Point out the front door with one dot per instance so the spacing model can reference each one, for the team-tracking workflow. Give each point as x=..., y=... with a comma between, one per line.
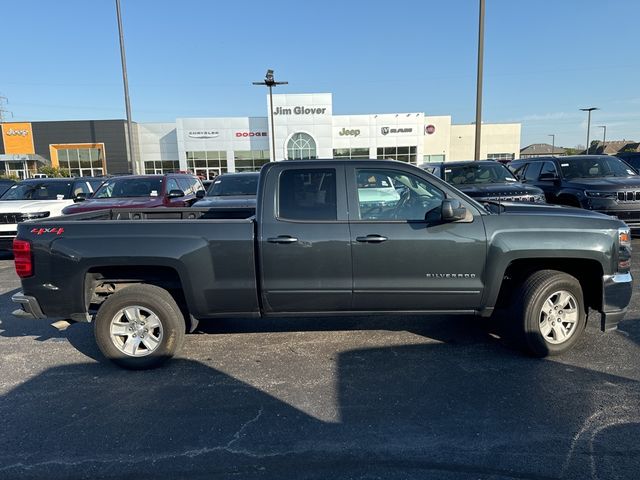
x=402, y=262
x=304, y=243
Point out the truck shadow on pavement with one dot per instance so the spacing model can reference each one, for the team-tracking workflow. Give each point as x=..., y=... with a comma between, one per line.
x=410, y=411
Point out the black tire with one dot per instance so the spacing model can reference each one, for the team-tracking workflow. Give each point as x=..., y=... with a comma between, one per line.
x=167, y=338
x=527, y=309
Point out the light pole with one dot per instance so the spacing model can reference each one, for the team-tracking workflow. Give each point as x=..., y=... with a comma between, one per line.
x=270, y=82
x=127, y=103
x=604, y=136
x=589, y=110
x=479, y=80
x=553, y=143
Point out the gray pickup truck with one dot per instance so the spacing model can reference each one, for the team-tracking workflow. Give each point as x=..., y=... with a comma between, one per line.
x=328, y=237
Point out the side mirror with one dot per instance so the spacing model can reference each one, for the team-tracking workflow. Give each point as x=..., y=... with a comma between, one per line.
x=200, y=194
x=80, y=197
x=175, y=193
x=548, y=177
x=452, y=210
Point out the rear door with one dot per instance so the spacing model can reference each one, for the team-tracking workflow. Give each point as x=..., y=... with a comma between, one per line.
x=402, y=262
x=305, y=250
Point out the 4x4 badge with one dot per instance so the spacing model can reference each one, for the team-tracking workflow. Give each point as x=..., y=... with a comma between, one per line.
x=40, y=231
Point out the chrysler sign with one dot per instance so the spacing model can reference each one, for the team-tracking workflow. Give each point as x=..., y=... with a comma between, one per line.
x=203, y=133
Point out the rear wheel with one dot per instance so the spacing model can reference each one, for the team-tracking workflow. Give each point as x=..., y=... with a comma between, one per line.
x=139, y=327
x=550, y=306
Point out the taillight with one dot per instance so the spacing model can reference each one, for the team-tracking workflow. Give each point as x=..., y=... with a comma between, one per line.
x=23, y=258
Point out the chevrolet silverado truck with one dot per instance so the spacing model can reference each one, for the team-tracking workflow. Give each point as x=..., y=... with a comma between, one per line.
x=320, y=244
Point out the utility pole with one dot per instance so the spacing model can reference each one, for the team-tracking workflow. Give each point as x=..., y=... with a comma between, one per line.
x=589, y=110
x=125, y=81
x=479, y=81
x=270, y=82
x=4, y=101
x=604, y=137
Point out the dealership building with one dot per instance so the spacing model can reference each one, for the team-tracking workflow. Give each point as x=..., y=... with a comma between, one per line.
x=304, y=126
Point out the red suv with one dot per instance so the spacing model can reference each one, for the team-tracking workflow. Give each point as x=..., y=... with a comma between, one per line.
x=142, y=191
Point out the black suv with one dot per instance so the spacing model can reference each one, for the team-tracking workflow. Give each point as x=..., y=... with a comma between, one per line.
x=485, y=180
x=595, y=182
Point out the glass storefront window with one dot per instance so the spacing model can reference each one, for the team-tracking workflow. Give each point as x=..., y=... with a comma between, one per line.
x=207, y=164
x=403, y=154
x=351, y=153
x=301, y=146
x=81, y=162
x=158, y=167
x=250, y=160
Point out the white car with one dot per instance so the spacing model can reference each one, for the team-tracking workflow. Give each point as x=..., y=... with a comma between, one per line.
x=39, y=198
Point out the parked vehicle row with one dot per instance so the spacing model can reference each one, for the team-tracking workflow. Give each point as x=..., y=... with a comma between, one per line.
x=601, y=183
x=39, y=198
x=329, y=237
x=486, y=181
x=51, y=197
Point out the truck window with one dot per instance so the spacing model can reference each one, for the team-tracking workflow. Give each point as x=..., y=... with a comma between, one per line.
x=549, y=167
x=395, y=195
x=308, y=194
x=533, y=171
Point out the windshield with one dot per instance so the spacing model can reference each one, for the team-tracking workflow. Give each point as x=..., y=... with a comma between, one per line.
x=130, y=187
x=228, y=185
x=477, y=173
x=597, y=167
x=38, y=191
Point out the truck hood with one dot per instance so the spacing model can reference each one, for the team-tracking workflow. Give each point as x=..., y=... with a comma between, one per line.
x=53, y=206
x=107, y=203
x=604, y=184
x=517, y=208
x=507, y=189
x=231, y=201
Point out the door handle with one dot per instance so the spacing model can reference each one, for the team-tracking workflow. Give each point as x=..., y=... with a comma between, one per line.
x=371, y=239
x=282, y=239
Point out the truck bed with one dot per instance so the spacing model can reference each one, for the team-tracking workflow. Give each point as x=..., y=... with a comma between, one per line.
x=210, y=251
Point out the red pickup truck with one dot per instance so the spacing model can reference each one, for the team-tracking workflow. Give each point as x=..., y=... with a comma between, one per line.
x=142, y=191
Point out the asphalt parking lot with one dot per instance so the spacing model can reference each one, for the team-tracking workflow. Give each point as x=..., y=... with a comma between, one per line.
x=395, y=397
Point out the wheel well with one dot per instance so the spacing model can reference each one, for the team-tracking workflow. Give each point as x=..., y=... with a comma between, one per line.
x=588, y=272
x=100, y=282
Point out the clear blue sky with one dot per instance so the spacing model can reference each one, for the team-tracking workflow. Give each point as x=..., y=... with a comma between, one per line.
x=543, y=59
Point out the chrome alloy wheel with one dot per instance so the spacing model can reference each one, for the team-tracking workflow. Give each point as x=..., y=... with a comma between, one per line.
x=559, y=317
x=136, y=331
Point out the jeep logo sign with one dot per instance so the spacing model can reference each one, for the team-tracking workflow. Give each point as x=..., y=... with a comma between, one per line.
x=349, y=133
x=13, y=132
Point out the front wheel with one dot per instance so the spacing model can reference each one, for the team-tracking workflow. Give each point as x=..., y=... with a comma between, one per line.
x=552, y=314
x=139, y=327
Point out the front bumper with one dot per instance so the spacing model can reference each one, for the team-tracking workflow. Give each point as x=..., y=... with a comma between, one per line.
x=616, y=295
x=30, y=306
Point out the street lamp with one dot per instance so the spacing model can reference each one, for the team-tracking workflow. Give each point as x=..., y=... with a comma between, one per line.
x=479, y=80
x=553, y=143
x=270, y=82
x=589, y=110
x=125, y=81
x=604, y=136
